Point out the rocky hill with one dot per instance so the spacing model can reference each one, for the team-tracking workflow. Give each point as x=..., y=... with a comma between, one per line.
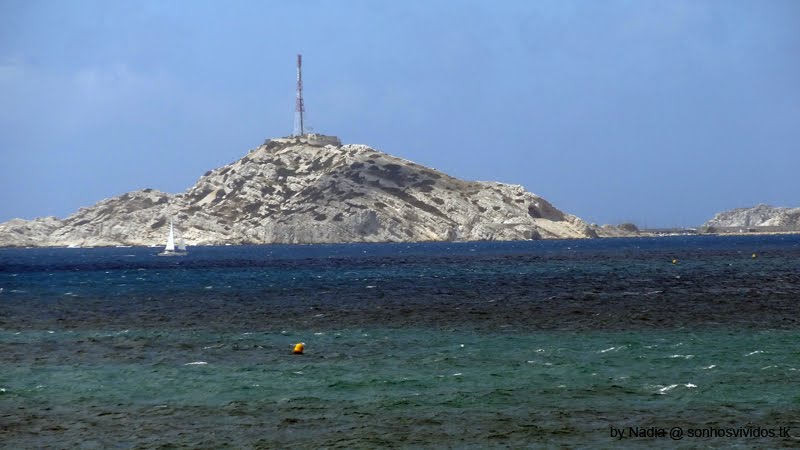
x=757, y=216
x=305, y=190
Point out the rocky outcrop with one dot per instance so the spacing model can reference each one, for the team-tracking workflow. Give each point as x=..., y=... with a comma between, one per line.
x=621, y=230
x=310, y=191
x=757, y=216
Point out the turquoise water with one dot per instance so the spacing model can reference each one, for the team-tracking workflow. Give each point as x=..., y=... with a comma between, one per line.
x=489, y=345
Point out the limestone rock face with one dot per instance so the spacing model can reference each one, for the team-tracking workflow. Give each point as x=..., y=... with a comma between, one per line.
x=757, y=216
x=299, y=191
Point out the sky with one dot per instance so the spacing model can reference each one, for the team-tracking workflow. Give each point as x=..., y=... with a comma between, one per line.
x=656, y=112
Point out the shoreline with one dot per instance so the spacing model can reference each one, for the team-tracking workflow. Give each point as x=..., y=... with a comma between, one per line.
x=642, y=234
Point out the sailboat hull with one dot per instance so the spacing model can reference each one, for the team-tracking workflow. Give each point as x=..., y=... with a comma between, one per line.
x=172, y=253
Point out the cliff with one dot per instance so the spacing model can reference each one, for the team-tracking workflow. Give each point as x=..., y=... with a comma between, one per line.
x=757, y=216
x=310, y=191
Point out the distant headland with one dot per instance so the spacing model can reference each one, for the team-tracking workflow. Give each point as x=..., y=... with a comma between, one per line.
x=756, y=219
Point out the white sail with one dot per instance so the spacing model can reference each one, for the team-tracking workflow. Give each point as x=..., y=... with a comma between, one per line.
x=181, y=244
x=170, y=250
x=170, y=240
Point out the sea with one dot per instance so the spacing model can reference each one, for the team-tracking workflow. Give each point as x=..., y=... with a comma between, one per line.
x=684, y=341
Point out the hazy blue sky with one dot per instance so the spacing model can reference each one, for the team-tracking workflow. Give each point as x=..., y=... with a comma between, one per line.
x=656, y=112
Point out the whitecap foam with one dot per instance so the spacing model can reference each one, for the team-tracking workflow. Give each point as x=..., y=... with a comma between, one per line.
x=682, y=356
x=196, y=363
x=754, y=352
x=663, y=390
x=710, y=367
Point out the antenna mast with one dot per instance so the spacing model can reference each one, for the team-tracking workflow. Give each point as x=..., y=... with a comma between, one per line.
x=299, y=107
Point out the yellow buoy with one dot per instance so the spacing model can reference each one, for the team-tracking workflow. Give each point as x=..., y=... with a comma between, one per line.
x=298, y=348
x=674, y=261
x=755, y=256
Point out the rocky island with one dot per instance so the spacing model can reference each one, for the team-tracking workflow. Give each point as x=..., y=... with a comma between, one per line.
x=760, y=218
x=311, y=189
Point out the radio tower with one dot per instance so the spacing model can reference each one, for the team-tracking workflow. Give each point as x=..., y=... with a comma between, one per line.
x=299, y=108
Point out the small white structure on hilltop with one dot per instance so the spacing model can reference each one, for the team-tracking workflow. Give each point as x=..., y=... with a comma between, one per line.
x=313, y=139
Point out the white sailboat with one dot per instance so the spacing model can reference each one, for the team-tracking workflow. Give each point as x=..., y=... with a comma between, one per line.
x=170, y=249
